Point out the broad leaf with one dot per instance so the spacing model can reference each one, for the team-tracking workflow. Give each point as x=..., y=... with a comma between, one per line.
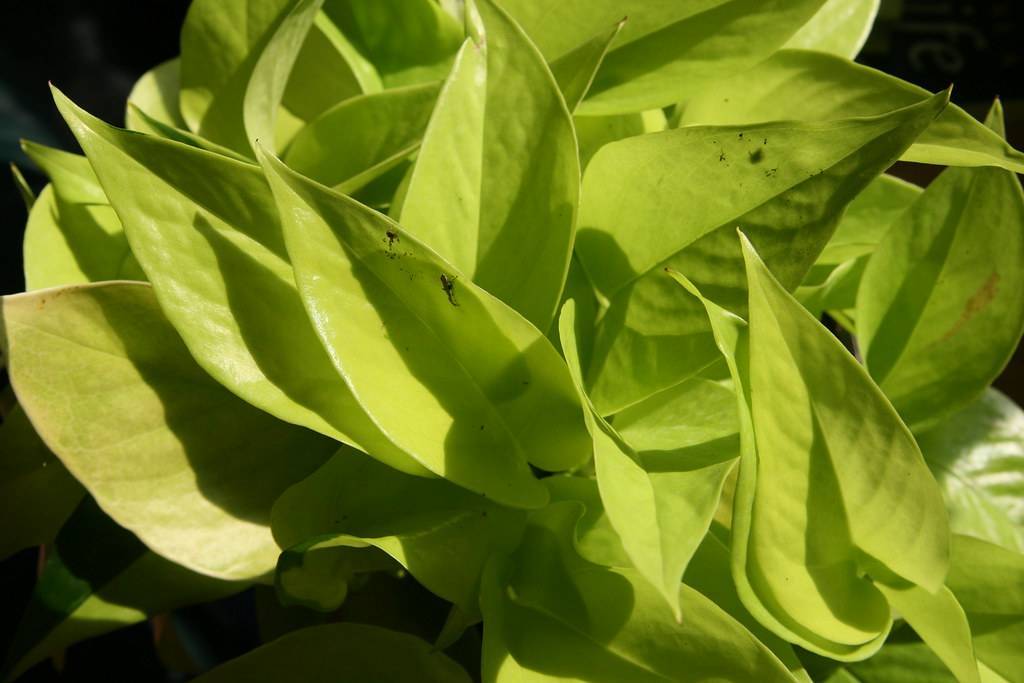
x=73, y=235
x=832, y=492
x=812, y=86
x=940, y=621
x=36, y=491
x=662, y=507
x=977, y=455
x=552, y=616
x=674, y=199
x=341, y=653
x=667, y=49
x=989, y=583
x=575, y=70
x=441, y=534
x=941, y=306
x=221, y=41
x=156, y=94
x=166, y=451
x=206, y=231
x=840, y=27
x=99, y=578
x=358, y=140
x=496, y=183
x=266, y=88
x=594, y=132
x=407, y=41
x=452, y=375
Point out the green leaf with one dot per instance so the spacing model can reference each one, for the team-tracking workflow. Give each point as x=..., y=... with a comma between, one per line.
x=692, y=422
x=666, y=50
x=441, y=534
x=977, y=456
x=36, y=492
x=73, y=235
x=942, y=625
x=941, y=306
x=189, y=212
x=552, y=616
x=594, y=132
x=408, y=41
x=452, y=375
x=316, y=574
x=341, y=653
x=812, y=86
x=266, y=88
x=675, y=199
x=496, y=184
x=832, y=492
x=359, y=139
x=220, y=44
x=96, y=579
x=167, y=452
x=989, y=583
x=660, y=507
x=27, y=195
x=156, y=94
x=575, y=70
x=327, y=71
x=833, y=281
x=868, y=218
x=840, y=27
x=144, y=123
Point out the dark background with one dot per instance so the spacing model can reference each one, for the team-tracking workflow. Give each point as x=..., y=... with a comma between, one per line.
x=96, y=50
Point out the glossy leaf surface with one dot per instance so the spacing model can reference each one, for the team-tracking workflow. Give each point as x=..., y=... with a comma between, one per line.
x=473, y=391
x=646, y=205
x=832, y=486
x=166, y=451
x=496, y=184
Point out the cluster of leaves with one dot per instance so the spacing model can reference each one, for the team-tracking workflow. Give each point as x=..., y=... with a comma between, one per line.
x=525, y=300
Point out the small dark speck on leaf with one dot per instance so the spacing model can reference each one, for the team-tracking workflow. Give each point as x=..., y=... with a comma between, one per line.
x=765, y=141
x=392, y=238
x=757, y=156
x=721, y=157
x=741, y=136
x=771, y=172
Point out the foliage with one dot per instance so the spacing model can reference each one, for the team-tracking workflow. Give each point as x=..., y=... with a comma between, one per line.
x=525, y=301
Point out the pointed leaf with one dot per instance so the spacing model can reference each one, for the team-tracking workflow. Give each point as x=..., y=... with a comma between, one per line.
x=220, y=44
x=941, y=306
x=675, y=199
x=667, y=49
x=341, y=653
x=989, y=583
x=552, y=616
x=496, y=182
x=167, y=452
x=190, y=212
x=661, y=514
x=811, y=86
x=472, y=390
x=408, y=41
x=73, y=235
x=575, y=70
x=27, y=195
x=832, y=485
